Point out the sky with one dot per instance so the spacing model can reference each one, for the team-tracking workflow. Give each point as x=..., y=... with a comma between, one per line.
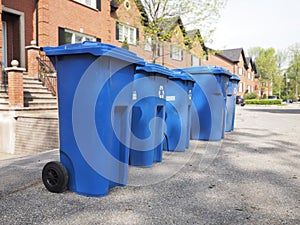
x=258, y=23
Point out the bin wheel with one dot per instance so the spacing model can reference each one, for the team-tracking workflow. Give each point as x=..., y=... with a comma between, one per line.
x=55, y=177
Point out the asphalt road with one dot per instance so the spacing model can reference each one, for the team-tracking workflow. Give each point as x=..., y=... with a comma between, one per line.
x=251, y=177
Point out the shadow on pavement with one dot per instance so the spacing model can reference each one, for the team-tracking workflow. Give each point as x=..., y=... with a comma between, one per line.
x=281, y=111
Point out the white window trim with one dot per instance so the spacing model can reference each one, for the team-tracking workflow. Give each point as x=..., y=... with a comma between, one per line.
x=176, y=53
x=92, y=4
x=84, y=37
x=148, y=44
x=124, y=32
x=195, y=59
x=240, y=70
x=249, y=75
x=240, y=89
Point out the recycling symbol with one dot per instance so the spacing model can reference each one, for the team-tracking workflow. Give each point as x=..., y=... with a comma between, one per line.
x=161, y=92
x=190, y=94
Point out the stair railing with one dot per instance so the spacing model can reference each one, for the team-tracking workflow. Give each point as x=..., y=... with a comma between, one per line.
x=47, y=74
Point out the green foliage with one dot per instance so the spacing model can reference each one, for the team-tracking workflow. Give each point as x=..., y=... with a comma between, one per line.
x=251, y=96
x=125, y=44
x=263, y=102
x=158, y=18
x=293, y=71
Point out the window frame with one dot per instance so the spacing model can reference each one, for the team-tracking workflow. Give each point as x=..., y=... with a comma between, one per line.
x=121, y=30
x=240, y=87
x=176, y=53
x=74, y=35
x=192, y=60
x=240, y=70
x=95, y=4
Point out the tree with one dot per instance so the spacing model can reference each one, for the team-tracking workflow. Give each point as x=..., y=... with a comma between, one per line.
x=265, y=61
x=280, y=80
x=293, y=71
x=158, y=15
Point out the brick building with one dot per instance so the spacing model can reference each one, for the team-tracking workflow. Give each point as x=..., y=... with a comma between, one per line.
x=237, y=63
x=58, y=22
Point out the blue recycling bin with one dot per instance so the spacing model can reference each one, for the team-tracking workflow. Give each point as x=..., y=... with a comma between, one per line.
x=209, y=98
x=94, y=91
x=178, y=111
x=148, y=114
x=231, y=102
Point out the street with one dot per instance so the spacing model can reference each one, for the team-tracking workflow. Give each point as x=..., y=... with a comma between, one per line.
x=252, y=176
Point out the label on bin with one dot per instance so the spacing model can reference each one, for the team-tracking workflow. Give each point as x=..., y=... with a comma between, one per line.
x=134, y=95
x=190, y=94
x=170, y=98
x=161, y=92
x=235, y=90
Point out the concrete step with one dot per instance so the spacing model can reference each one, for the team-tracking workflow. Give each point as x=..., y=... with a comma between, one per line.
x=3, y=94
x=38, y=103
x=36, y=86
x=38, y=94
x=36, y=89
x=34, y=82
x=4, y=100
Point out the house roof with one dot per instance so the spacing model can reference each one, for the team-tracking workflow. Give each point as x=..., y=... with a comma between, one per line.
x=192, y=34
x=233, y=55
x=252, y=63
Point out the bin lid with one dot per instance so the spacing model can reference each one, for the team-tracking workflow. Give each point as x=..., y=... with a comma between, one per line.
x=235, y=77
x=94, y=48
x=181, y=75
x=155, y=68
x=198, y=70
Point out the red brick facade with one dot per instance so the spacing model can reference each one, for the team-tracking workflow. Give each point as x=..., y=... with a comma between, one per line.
x=46, y=21
x=15, y=85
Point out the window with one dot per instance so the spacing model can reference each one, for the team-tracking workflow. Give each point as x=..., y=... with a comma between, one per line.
x=240, y=71
x=96, y=4
x=70, y=37
x=148, y=44
x=240, y=87
x=124, y=31
x=249, y=75
x=176, y=53
x=195, y=60
x=249, y=88
x=159, y=49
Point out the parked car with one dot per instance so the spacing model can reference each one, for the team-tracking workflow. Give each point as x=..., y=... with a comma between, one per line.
x=272, y=97
x=240, y=100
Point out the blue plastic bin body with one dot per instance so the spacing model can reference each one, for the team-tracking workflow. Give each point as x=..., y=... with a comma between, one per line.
x=148, y=114
x=178, y=111
x=231, y=102
x=209, y=98
x=93, y=144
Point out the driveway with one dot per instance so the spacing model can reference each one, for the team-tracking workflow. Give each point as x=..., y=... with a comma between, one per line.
x=251, y=177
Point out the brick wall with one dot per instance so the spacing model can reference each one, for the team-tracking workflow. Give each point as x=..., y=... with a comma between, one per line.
x=73, y=16
x=15, y=88
x=36, y=133
x=216, y=60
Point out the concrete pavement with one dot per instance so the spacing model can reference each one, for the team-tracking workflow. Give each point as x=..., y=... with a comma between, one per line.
x=251, y=177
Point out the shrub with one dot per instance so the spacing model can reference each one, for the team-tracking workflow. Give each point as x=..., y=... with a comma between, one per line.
x=251, y=96
x=263, y=102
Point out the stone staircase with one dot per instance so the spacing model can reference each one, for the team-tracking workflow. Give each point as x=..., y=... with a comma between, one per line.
x=3, y=97
x=36, y=96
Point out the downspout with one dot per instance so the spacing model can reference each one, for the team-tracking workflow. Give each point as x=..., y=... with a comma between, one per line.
x=37, y=22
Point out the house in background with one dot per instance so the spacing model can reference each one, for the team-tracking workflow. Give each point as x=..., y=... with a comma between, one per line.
x=237, y=63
